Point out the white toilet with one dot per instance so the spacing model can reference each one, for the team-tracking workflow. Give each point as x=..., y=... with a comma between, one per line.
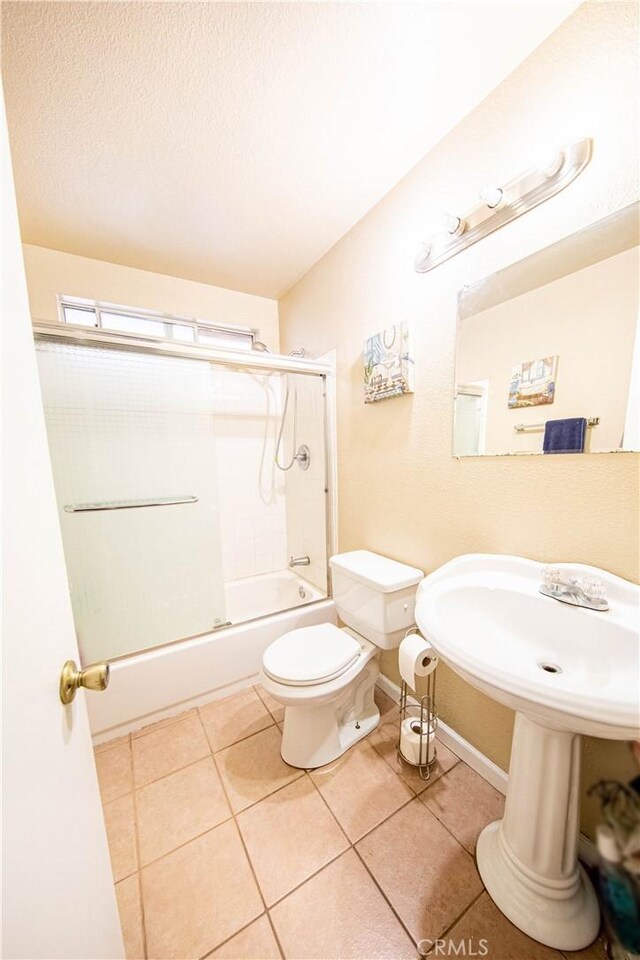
x=325, y=675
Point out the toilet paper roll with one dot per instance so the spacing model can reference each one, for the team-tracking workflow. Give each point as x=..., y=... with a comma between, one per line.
x=410, y=741
x=417, y=658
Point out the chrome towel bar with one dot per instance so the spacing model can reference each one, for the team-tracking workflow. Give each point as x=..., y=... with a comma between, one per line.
x=126, y=504
x=520, y=427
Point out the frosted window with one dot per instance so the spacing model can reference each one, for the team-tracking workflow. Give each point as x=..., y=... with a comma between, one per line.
x=83, y=318
x=183, y=332
x=89, y=313
x=116, y=321
x=227, y=340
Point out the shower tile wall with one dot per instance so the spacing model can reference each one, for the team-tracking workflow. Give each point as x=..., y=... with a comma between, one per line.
x=305, y=490
x=251, y=491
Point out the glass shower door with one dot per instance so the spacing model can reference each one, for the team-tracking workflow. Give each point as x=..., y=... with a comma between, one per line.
x=127, y=429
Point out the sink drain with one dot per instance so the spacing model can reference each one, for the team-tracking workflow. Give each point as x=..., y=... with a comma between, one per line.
x=550, y=667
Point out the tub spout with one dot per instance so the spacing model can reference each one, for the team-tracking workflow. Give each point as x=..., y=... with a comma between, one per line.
x=299, y=562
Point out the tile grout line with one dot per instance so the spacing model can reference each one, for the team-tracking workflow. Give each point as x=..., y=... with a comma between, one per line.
x=246, y=926
x=275, y=934
x=443, y=824
x=231, y=818
x=419, y=796
x=141, y=732
x=324, y=800
x=246, y=852
x=385, y=898
x=240, y=739
x=315, y=873
x=233, y=815
x=236, y=813
x=150, y=783
x=192, y=762
x=352, y=846
x=311, y=876
x=257, y=690
x=371, y=829
x=458, y=918
x=138, y=857
x=244, y=847
x=198, y=836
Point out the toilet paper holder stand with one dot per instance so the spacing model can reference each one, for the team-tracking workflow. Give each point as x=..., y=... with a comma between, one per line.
x=423, y=711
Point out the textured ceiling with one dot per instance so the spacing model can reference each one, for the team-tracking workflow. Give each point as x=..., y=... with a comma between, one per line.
x=234, y=143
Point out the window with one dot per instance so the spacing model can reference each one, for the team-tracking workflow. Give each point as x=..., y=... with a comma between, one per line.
x=146, y=323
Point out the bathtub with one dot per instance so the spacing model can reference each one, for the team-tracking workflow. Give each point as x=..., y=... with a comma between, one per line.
x=268, y=593
x=159, y=683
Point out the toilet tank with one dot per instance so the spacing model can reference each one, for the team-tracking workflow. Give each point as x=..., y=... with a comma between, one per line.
x=374, y=595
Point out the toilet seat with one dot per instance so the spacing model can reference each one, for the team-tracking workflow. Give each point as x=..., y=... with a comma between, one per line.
x=310, y=655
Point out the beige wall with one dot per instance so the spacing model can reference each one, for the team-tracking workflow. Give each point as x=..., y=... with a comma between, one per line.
x=50, y=272
x=400, y=491
x=568, y=319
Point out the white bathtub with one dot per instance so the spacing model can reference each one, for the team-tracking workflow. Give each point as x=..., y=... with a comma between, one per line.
x=268, y=593
x=165, y=681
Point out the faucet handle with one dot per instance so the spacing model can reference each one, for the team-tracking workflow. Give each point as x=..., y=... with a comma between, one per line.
x=592, y=588
x=551, y=576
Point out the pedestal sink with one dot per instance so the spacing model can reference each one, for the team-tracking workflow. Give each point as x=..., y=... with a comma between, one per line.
x=566, y=671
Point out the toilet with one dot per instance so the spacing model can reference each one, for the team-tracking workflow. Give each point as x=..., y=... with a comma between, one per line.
x=325, y=675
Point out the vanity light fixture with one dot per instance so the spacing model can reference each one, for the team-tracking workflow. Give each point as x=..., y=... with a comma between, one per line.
x=551, y=164
x=452, y=225
x=492, y=196
x=501, y=204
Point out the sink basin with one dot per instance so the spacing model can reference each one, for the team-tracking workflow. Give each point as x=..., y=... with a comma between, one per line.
x=566, y=671
x=575, y=668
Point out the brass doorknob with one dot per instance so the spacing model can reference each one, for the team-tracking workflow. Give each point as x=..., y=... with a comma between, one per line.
x=93, y=677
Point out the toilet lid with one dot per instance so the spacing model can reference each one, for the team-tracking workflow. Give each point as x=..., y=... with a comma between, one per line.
x=310, y=655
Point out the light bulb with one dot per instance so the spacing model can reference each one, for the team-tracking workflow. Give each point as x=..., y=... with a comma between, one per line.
x=550, y=164
x=492, y=196
x=422, y=258
x=453, y=225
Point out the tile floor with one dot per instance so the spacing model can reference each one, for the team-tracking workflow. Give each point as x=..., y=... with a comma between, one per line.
x=219, y=849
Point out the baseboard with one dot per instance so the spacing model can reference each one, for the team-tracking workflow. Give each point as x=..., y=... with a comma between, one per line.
x=479, y=762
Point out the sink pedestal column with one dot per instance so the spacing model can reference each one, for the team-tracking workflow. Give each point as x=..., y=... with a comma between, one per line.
x=528, y=860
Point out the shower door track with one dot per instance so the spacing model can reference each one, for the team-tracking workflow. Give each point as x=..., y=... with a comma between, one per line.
x=246, y=359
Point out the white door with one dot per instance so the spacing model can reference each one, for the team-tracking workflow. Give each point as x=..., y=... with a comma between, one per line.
x=58, y=899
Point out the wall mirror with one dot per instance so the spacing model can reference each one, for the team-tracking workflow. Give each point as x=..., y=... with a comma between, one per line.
x=554, y=337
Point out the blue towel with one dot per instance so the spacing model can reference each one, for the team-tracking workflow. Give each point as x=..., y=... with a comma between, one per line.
x=565, y=436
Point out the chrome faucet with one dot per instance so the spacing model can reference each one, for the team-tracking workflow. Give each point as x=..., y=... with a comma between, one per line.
x=299, y=562
x=587, y=592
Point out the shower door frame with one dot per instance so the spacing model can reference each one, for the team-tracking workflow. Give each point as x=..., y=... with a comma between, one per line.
x=240, y=360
